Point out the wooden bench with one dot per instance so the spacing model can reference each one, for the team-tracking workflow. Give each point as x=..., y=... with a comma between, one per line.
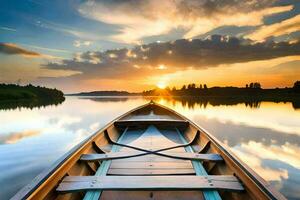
x=181, y=124
x=211, y=182
x=121, y=155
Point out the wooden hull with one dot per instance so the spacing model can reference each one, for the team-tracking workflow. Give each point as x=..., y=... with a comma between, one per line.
x=151, y=152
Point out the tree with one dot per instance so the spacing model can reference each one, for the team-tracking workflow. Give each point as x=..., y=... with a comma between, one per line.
x=191, y=86
x=183, y=87
x=251, y=85
x=247, y=86
x=200, y=86
x=296, y=87
x=257, y=85
x=205, y=87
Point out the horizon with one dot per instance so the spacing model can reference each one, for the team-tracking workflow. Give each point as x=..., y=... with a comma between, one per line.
x=180, y=87
x=89, y=45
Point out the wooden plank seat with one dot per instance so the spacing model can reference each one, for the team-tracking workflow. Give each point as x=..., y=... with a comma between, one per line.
x=157, y=122
x=182, y=156
x=150, y=172
x=210, y=182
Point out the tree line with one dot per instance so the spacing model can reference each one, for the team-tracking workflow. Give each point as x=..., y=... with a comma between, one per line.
x=251, y=89
x=13, y=92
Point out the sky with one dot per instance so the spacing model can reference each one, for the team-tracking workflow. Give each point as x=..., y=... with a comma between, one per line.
x=136, y=45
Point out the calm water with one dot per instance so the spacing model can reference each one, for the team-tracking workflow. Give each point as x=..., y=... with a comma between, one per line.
x=266, y=136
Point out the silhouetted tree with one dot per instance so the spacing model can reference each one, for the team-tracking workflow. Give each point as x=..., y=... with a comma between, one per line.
x=200, y=86
x=296, y=86
x=205, y=86
x=247, y=86
x=191, y=86
x=251, y=85
x=183, y=87
x=257, y=85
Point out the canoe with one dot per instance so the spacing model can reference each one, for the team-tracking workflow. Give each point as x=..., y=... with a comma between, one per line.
x=150, y=152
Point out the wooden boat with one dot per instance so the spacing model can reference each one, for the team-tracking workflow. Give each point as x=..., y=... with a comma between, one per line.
x=151, y=152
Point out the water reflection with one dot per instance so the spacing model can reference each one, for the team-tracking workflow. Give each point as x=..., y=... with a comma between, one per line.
x=12, y=138
x=108, y=99
x=192, y=102
x=42, y=103
x=265, y=135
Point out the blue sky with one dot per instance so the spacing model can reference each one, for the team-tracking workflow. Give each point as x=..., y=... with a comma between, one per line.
x=82, y=40
x=45, y=24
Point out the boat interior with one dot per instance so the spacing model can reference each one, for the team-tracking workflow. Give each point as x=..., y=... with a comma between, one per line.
x=149, y=153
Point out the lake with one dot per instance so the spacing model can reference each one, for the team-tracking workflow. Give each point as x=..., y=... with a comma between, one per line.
x=265, y=135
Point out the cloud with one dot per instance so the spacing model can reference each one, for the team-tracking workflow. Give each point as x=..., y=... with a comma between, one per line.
x=7, y=29
x=278, y=29
x=78, y=43
x=286, y=153
x=13, y=49
x=85, y=35
x=46, y=49
x=140, y=19
x=169, y=57
x=13, y=138
x=256, y=163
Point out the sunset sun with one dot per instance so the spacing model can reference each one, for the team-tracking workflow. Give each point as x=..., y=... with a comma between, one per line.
x=161, y=85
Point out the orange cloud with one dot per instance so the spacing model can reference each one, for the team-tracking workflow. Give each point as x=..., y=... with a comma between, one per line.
x=274, y=30
x=13, y=49
x=252, y=18
x=155, y=17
